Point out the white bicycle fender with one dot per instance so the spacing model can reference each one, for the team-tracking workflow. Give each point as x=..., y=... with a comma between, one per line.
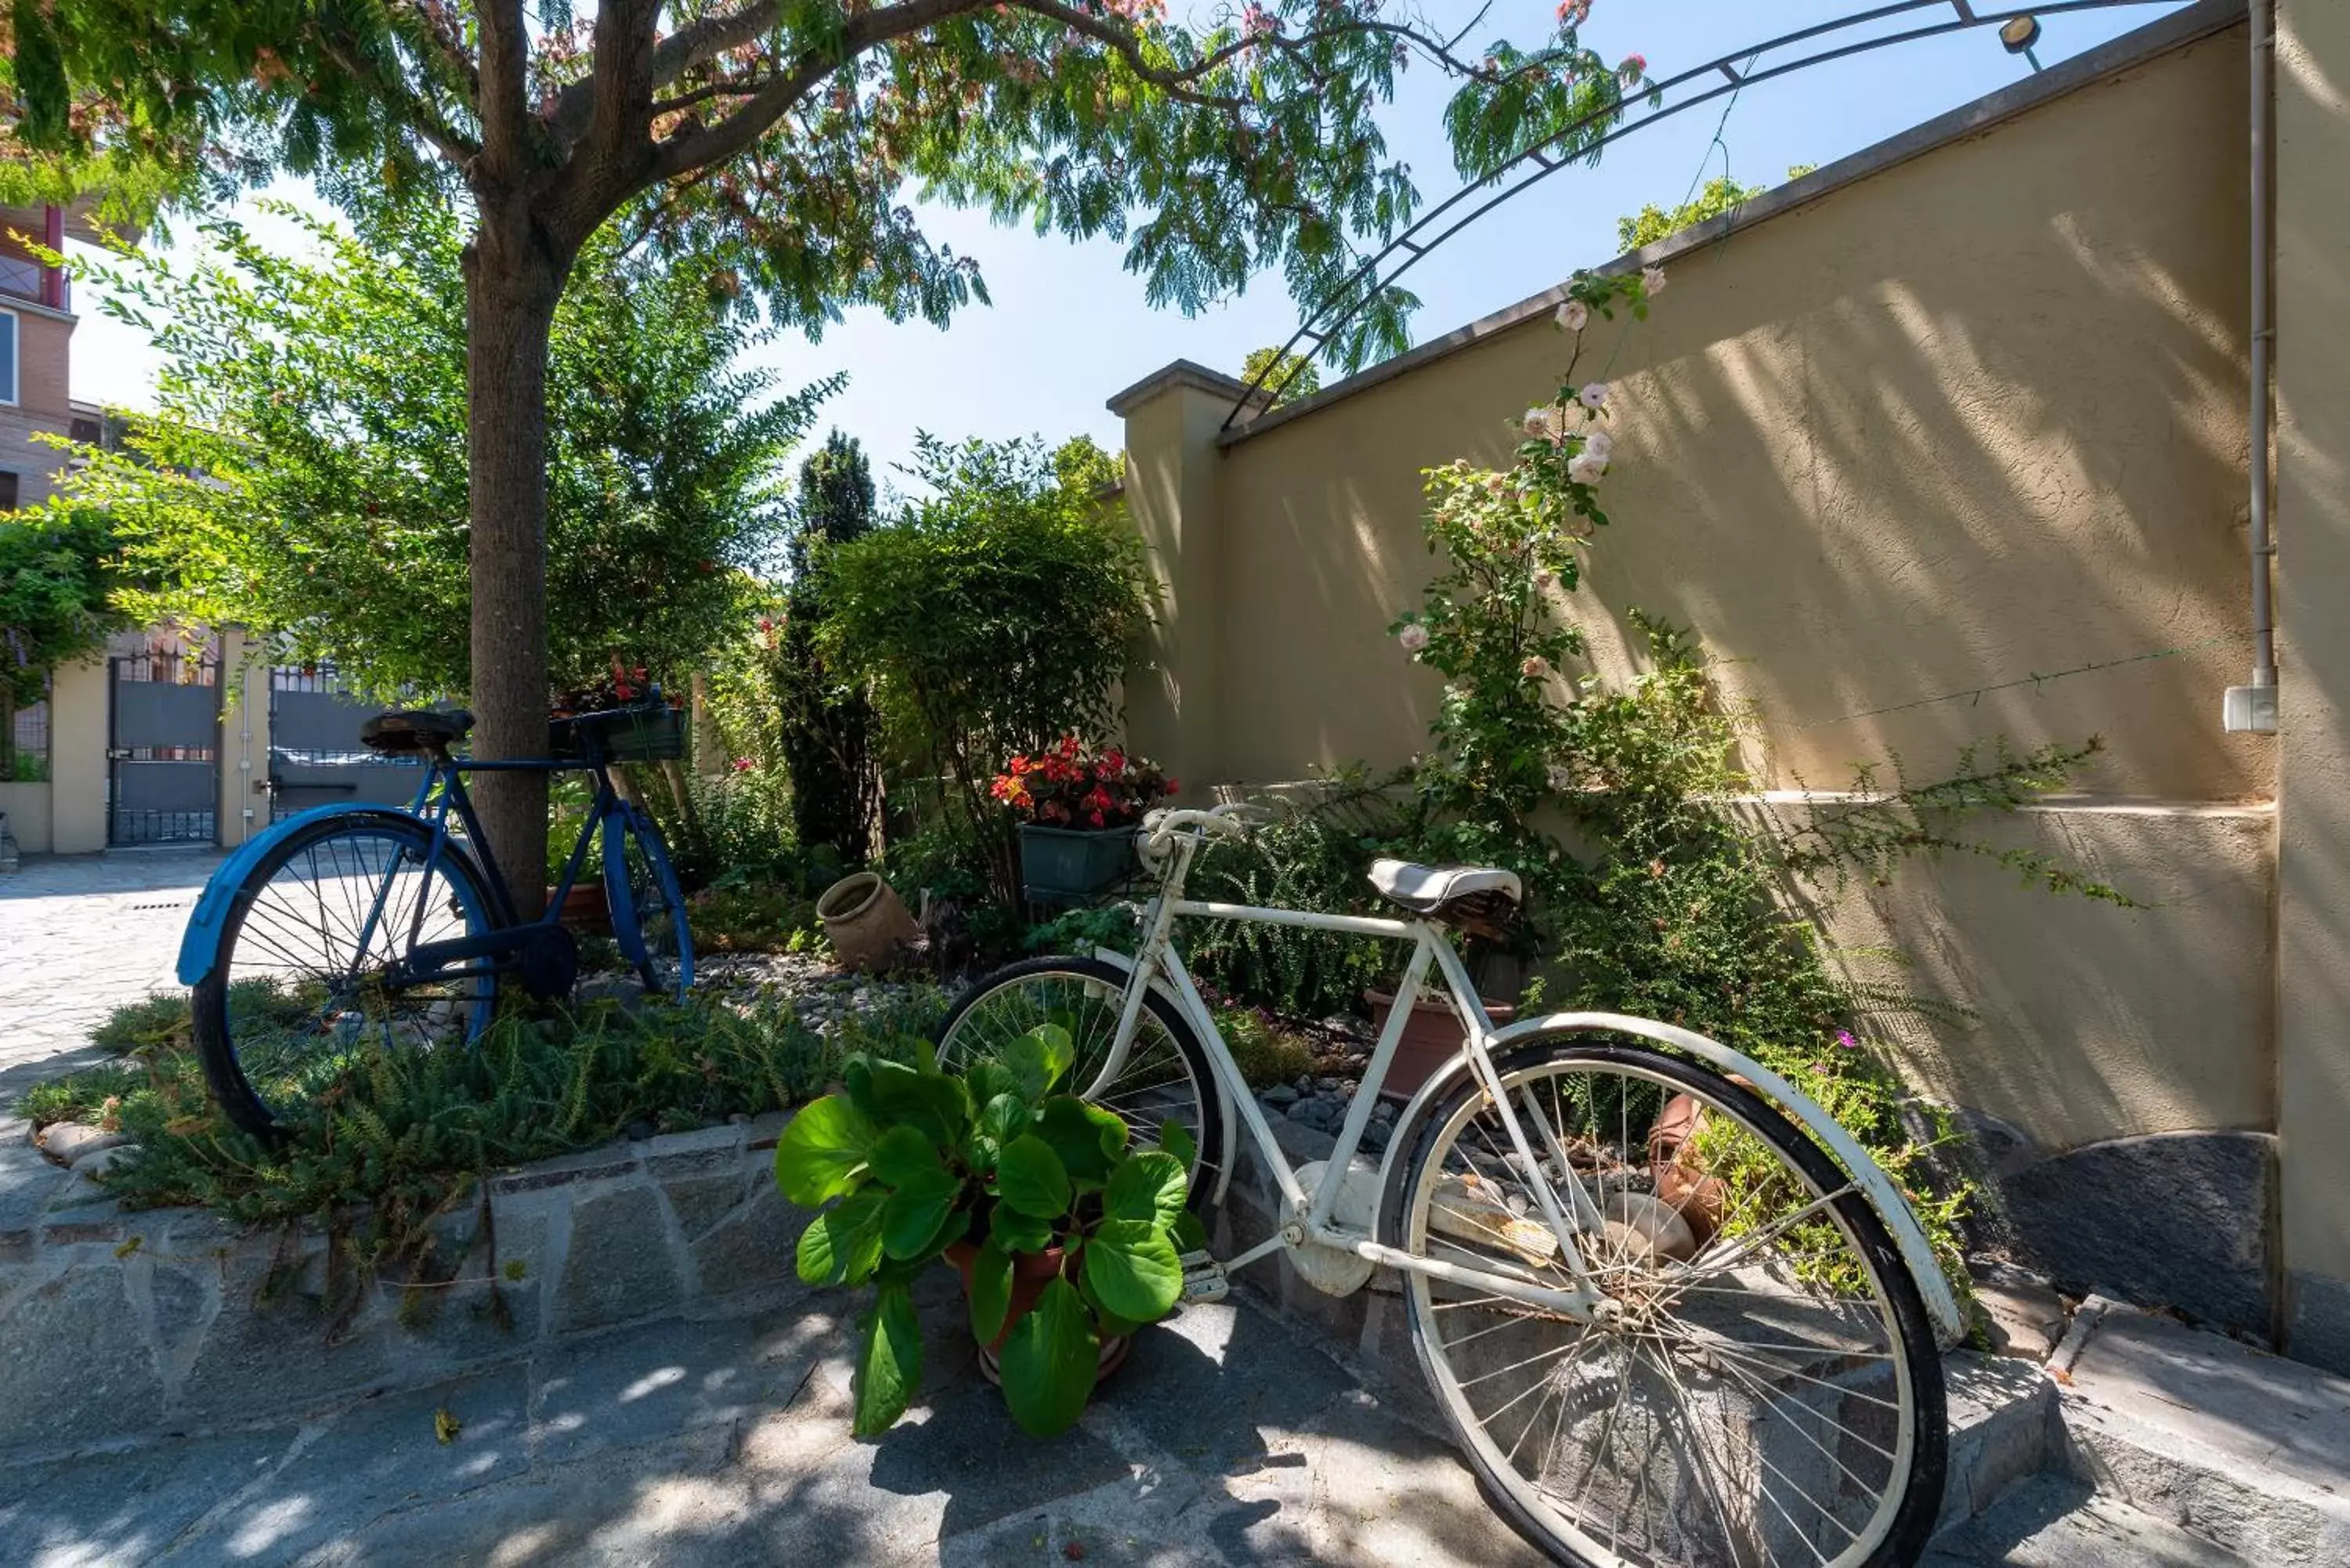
x=1225, y=1154
x=1941, y=1306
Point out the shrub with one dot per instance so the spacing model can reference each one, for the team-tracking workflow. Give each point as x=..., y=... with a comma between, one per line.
x=825, y=727
x=992, y=618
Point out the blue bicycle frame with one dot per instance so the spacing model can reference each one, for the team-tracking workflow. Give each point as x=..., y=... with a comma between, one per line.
x=439, y=795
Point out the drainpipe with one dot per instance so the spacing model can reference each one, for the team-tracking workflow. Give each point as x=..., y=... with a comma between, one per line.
x=2254, y=707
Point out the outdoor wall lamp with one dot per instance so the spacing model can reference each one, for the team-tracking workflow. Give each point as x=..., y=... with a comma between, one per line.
x=2019, y=34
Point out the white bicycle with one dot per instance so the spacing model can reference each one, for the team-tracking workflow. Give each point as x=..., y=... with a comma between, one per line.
x=1674, y=1313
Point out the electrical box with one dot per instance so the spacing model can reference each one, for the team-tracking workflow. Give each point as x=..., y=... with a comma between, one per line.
x=2251, y=709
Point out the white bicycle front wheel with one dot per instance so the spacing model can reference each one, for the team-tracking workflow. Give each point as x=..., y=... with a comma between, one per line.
x=1165, y=1076
x=1762, y=1388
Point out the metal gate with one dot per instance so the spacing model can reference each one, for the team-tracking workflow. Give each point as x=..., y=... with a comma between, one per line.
x=315, y=754
x=163, y=715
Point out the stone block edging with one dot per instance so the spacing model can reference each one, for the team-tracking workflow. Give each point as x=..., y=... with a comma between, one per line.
x=123, y=1324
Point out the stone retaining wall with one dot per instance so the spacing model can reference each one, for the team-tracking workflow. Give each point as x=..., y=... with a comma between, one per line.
x=120, y=1324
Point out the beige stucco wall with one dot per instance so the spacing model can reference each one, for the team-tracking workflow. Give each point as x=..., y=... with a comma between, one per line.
x=27, y=807
x=78, y=717
x=2312, y=520
x=1976, y=416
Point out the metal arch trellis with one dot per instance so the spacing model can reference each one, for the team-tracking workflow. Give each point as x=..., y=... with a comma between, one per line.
x=1538, y=163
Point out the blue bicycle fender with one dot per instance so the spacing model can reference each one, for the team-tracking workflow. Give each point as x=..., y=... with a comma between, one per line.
x=200, y=944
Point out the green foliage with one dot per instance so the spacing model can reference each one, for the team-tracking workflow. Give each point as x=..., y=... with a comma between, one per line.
x=1212, y=149
x=1310, y=854
x=1721, y=194
x=406, y=1138
x=825, y=726
x=1263, y=1053
x=992, y=618
x=1116, y=927
x=59, y=569
x=904, y=1162
x=1289, y=376
x=305, y=474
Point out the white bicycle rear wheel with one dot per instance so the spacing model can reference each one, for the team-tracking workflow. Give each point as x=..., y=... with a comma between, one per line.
x=1764, y=1390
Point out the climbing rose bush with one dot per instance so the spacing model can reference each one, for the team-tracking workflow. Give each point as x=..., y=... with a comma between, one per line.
x=1490, y=624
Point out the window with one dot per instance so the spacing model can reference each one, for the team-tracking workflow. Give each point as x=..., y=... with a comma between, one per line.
x=9, y=502
x=7, y=357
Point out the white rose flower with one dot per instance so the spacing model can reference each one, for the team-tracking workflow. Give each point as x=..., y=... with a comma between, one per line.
x=1574, y=315
x=1599, y=444
x=1587, y=468
x=1595, y=395
x=1652, y=280
x=1413, y=637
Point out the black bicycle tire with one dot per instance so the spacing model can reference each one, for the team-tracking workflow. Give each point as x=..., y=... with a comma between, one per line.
x=1921, y=1501
x=208, y=999
x=1208, y=1175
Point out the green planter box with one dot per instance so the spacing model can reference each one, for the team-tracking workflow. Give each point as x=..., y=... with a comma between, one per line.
x=1063, y=863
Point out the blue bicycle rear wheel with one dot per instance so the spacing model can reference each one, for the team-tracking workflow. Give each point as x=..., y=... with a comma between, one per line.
x=305, y=989
x=647, y=904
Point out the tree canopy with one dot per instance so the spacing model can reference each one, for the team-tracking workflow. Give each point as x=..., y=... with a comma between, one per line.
x=1721, y=194
x=305, y=474
x=779, y=138
x=58, y=577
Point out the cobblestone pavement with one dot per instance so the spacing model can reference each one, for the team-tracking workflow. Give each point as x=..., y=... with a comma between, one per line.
x=1227, y=1439
x=80, y=935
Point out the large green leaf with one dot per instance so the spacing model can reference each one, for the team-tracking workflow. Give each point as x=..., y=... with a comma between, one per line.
x=1004, y=1117
x=1133, y=1270
x=1151, y=1187
x=1038, y=1058
x=1176, y=1139
x=1189, y=1233
x=1050, y=1358
x=1018, y=1233
x=1029, y=1177
x=823, y=1153
x=844, y=1240
x=889, y=1360
x=913, y=1216
x=991, y=1293
x=1085, y=1137
x=902, y=1154
x=939, y=1108
x=987, y=1079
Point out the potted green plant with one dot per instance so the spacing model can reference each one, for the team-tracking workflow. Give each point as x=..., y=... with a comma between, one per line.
x=1078, y=808
x=1068, y=1238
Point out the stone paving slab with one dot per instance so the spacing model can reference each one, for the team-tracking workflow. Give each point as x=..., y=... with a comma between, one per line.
x=84, y=934
x=1229, y=1438
x=2057, y=1522
x=2241, y=1448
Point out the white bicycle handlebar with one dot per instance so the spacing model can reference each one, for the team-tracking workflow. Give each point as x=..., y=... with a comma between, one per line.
x=1160, y=827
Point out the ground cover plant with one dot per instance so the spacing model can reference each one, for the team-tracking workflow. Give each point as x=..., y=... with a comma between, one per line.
x=406, y=1138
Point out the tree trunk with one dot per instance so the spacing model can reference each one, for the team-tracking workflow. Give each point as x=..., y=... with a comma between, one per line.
x=512, y=278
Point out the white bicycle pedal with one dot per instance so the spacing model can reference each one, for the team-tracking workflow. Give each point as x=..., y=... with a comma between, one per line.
x=1203, y=1278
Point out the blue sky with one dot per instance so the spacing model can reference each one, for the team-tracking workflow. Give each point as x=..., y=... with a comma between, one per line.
x=1069, y=326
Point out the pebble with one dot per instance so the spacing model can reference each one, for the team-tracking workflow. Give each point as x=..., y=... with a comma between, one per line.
x=1281, y=1095
x=1376, y=1134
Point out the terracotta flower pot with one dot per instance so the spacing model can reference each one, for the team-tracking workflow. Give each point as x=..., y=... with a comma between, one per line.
x=1681, y=1178
x=866, y=922
x=1031, y=1273
x=1431, y=1037
x=584, y=910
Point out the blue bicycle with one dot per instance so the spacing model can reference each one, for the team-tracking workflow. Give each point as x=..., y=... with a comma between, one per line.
x=355, y=928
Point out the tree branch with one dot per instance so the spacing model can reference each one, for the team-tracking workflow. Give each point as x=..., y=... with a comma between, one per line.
x=673, y=56
x=412, y=106
x=505, y=88
x=691, y=150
